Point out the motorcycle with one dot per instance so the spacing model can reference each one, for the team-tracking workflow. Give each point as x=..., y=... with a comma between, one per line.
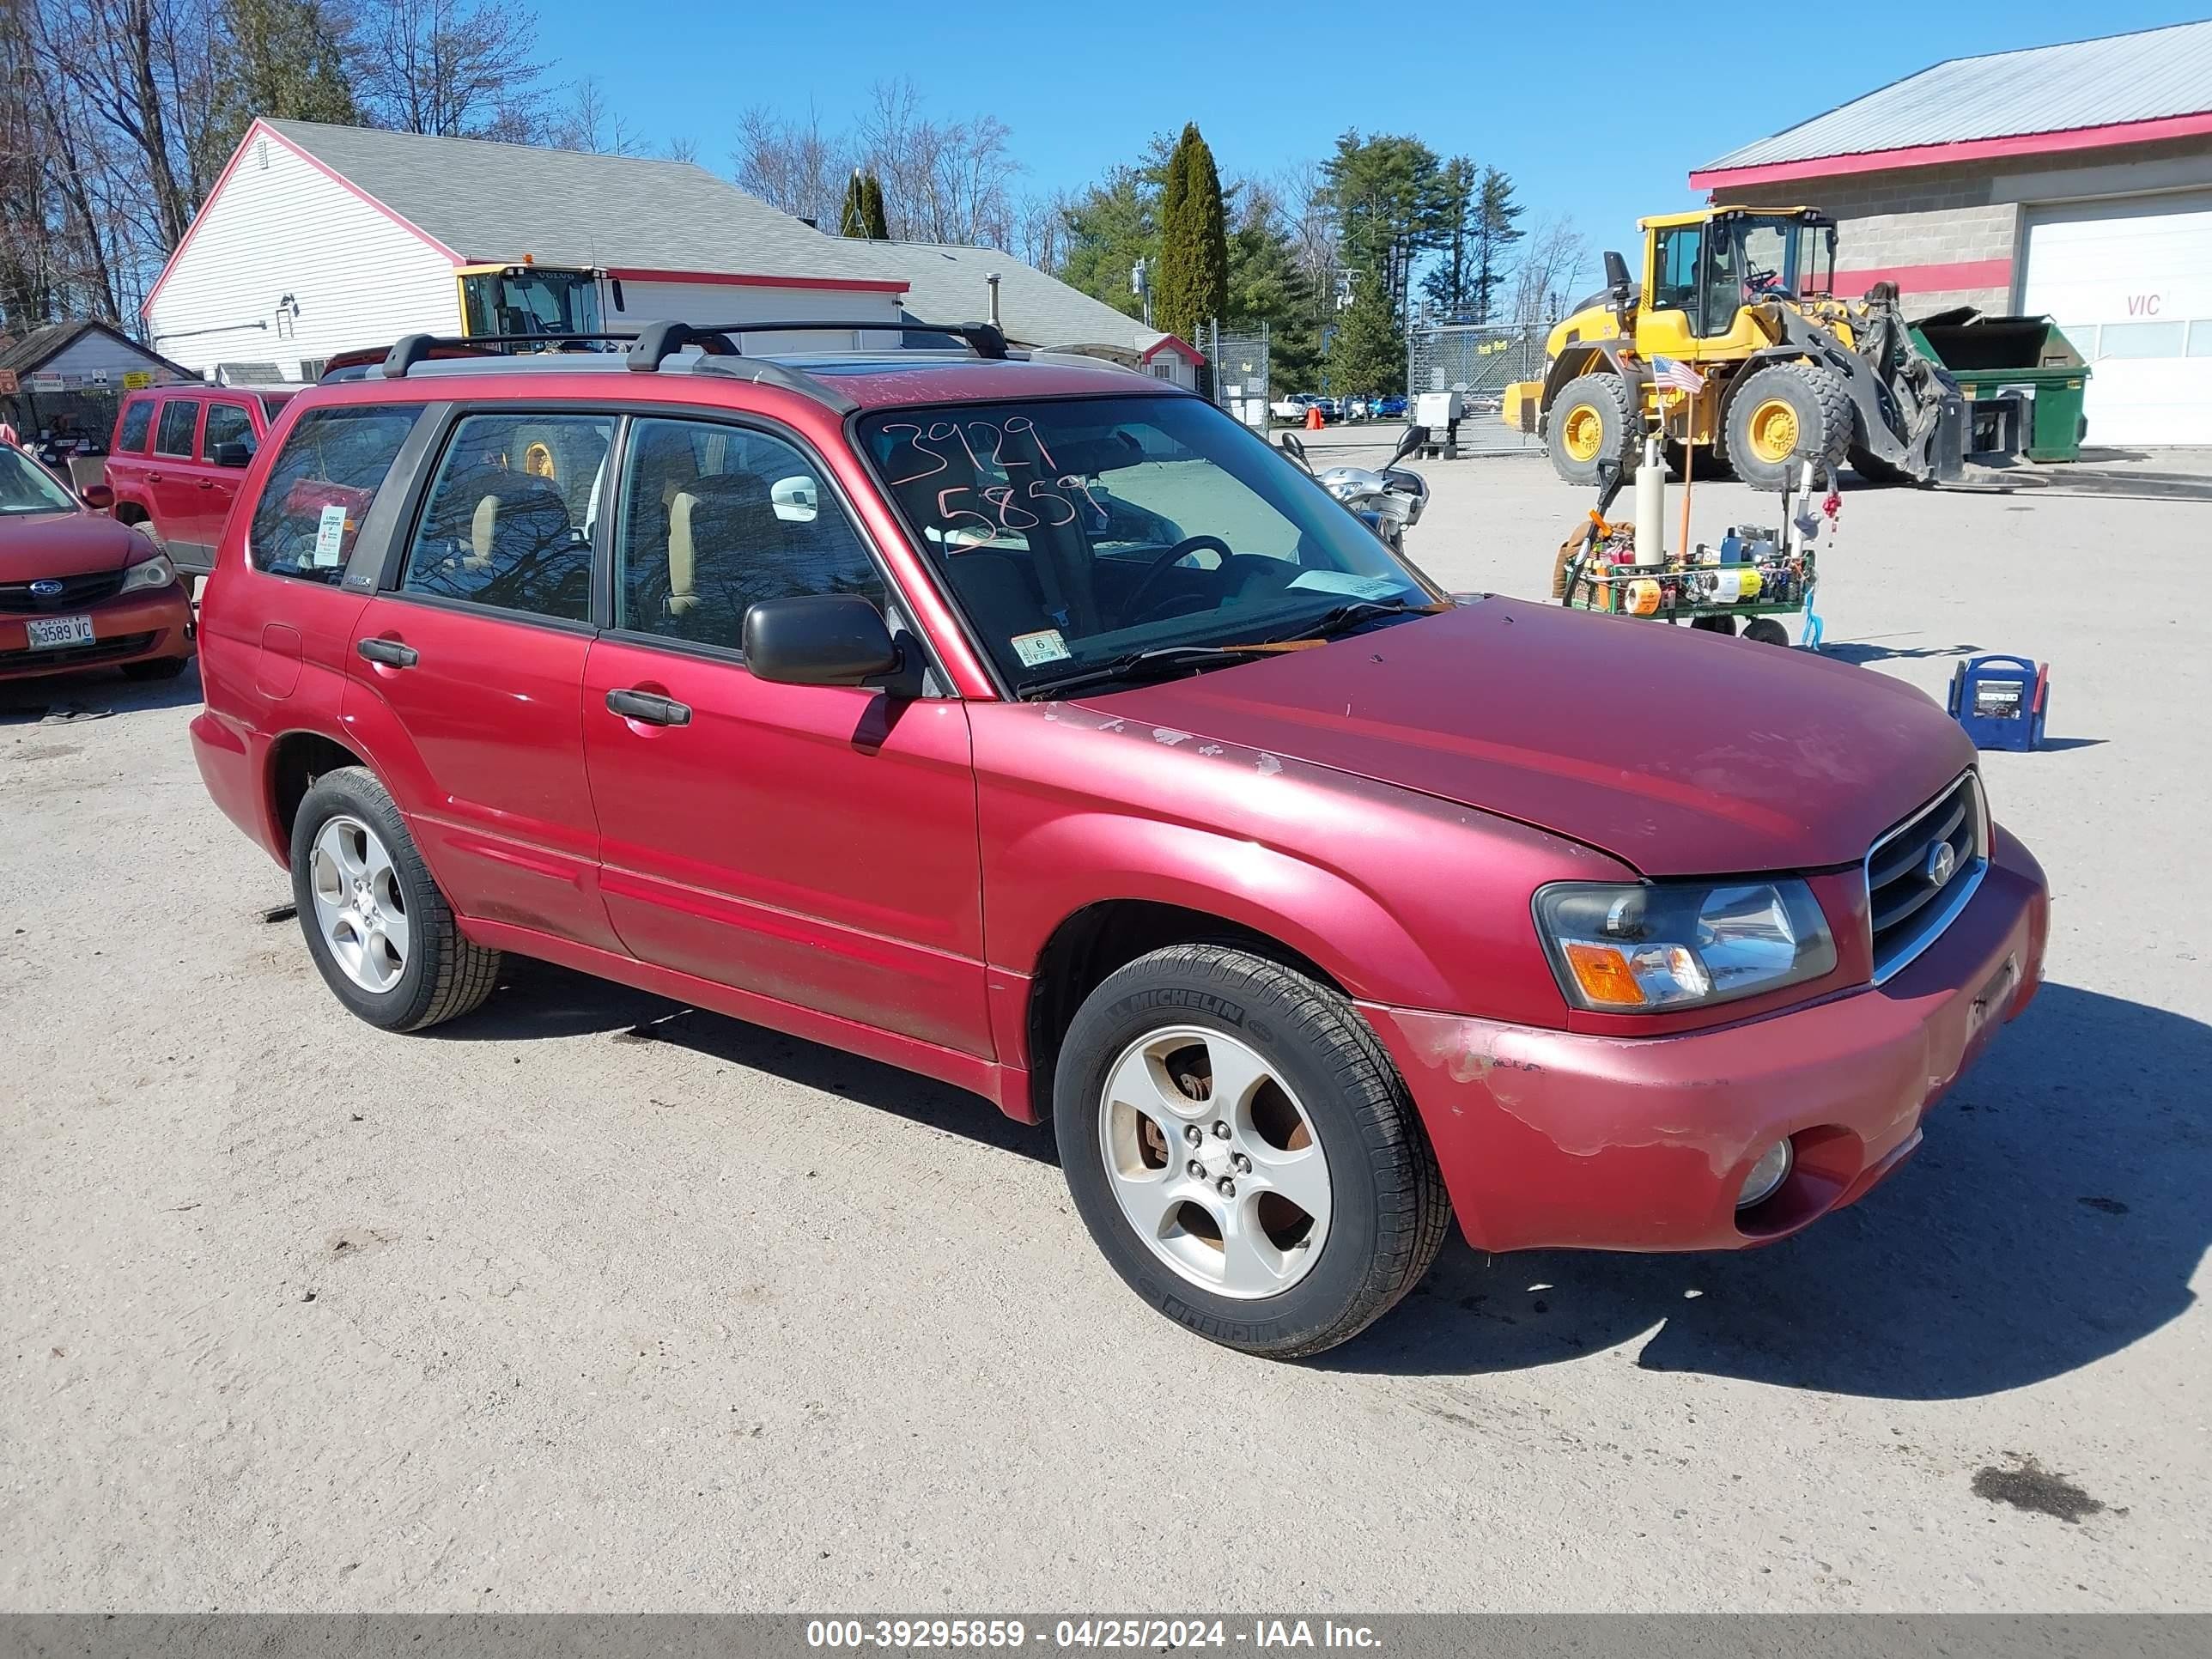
x=1388, y=499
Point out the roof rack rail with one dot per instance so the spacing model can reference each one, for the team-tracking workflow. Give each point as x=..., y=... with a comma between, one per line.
x=985, y=339
x=412, y=349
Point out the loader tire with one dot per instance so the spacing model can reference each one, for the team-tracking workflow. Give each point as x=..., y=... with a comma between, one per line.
x=1782, y=413
x=1591, y=419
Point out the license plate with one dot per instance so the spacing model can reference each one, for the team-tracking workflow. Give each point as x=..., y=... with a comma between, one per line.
x=48, y=633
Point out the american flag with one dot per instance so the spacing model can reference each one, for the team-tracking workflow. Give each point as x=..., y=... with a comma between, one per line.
x=1676, y=377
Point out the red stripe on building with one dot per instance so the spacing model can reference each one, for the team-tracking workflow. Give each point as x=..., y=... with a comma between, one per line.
x=1970, y=149
x=849, y=284
x=1928, y=279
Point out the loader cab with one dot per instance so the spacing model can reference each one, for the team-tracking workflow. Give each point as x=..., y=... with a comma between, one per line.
x=528, y=300
x=1702, y=271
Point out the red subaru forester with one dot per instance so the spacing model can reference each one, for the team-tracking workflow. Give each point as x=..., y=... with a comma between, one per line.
x=1035, y=726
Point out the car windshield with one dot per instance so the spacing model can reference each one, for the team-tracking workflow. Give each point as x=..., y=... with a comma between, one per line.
x=26, y=487
x=1075, y=533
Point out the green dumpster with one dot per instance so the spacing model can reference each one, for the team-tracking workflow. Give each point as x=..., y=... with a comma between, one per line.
x=1992, y=357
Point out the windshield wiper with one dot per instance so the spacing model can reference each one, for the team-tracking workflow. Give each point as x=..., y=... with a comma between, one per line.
x=1138, y=663
x=1360, y=610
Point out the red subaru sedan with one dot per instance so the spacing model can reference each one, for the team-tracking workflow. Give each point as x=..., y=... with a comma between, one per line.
x=1038, y=728
x=77, y=590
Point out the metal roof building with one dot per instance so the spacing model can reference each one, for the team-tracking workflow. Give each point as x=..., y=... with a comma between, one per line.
x=2073, y=180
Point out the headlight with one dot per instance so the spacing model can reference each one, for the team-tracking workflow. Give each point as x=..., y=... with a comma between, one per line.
x=1679, y=944
x=156, y=572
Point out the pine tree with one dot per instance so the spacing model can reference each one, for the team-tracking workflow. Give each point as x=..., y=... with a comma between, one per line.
x=853, y=218
x=1494, y=235
x=285, y=58
x=1450, y=284
x=1176, y=282
x=1209, y=299
x=1366, y=353
x=872, y=211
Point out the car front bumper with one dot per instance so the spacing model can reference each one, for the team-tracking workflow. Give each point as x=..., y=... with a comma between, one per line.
x=1552, y=1140
x=133, y=628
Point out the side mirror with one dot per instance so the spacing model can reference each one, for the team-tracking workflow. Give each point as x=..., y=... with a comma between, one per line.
x=1616, y=278
x=99, y=497
x=1416, y=439
x=232, y=453
x=1295, y=448
x=823, y=639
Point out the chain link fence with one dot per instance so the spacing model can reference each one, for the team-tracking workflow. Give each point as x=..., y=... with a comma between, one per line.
x=1479, y=361
x=1236, y=375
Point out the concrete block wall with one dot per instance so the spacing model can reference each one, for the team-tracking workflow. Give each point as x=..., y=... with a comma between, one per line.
x=1952, y=236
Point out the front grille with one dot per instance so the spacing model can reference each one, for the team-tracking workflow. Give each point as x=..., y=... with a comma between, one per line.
x=1907, y=904
x=75, y=656
x=78, y=591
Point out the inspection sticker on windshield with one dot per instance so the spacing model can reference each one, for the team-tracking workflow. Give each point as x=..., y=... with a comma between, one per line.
x=1037, y=649
x=330, y=535
x=1342, y=582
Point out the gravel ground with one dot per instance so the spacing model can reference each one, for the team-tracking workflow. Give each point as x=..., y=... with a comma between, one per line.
x=593, y=1302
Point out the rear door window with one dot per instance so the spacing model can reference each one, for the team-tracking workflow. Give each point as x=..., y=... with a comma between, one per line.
x=316, y=495
x=510, y=521
x=138, y=421
x=180, y=419
x=227, y=423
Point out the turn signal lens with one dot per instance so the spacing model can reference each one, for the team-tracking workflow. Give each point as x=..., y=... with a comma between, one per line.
x=1604, y=976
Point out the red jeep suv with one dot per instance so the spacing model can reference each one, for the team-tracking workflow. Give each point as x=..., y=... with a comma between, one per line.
x=1036, y=727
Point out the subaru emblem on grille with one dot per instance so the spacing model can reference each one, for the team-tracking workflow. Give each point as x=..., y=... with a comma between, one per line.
x=45, y=588
x=1942, y=861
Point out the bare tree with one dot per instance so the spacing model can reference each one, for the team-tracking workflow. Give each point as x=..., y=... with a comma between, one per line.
x=793, y=165
x=452, y=68
x=1552, y=261
x=681, y=147
x=589, y=123
x=943, y=181
x=1040, y=225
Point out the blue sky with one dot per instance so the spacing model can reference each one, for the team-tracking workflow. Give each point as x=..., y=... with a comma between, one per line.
x=1271, y=81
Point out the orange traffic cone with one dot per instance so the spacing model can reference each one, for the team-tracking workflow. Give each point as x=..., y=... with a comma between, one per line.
x=1314, y=421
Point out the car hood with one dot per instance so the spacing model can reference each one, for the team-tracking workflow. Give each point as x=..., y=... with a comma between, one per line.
x=1678, y=751
x=35, y=544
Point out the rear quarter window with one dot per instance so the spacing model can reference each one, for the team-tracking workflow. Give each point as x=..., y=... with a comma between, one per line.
x=138, y=421
x=326, y=476
x=180, y=418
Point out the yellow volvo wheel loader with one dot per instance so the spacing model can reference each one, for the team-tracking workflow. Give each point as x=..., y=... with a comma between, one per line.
x=1746, y=296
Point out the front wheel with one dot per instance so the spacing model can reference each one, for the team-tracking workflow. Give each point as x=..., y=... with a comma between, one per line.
x=1243, y=1151
x=1782, y=413
x=1593, y=419
x=381, y=932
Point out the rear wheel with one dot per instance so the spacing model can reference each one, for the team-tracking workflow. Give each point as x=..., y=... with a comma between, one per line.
x=1765, y=630
x=1592, y=418
x=1782, y=413
x=378, y=928
x=1243, y=1151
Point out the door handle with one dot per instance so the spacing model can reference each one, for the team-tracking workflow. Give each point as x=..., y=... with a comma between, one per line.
x=649, y=709
x=154, y=477
x=207, y=484
x=390, y=652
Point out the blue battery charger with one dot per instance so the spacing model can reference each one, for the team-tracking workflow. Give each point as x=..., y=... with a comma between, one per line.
x=2001, y=701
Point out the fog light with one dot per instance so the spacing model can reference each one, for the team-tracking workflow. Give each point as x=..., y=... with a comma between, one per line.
x=1768, y=1173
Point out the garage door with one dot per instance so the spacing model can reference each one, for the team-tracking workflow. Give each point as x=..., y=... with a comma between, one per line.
x=2131, y=283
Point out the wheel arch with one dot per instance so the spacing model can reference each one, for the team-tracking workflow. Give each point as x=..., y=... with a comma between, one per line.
x=296, y=759
x=1093, y=943
x=1578, y=361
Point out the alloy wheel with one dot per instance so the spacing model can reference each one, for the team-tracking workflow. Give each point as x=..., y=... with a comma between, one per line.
x=1215, y=1161
x=358, y=907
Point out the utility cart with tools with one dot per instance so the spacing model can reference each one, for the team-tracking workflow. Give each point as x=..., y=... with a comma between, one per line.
x=1751, y=578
